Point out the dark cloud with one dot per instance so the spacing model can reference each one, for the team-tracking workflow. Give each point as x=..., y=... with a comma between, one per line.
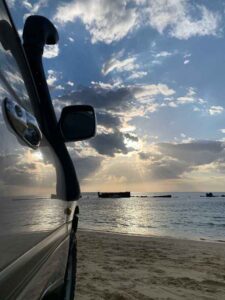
x=13, y=172
x=17, y=171
x=131, y=136
x=85, y=166
x=109, y=143
x=195, y=153
x=108, y=120
x=101, y=98
x=144, y=155
x=174, y=160
x=169, y=169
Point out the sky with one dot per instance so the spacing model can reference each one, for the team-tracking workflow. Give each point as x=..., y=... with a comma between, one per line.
x=154, y=71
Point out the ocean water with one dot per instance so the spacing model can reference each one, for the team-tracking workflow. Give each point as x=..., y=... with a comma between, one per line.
x=185, y=215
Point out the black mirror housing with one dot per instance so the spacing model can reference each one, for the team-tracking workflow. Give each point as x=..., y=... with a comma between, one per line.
x=77, y=123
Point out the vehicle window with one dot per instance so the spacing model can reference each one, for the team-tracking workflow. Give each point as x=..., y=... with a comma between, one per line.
x=26, y=173
x=10, y=75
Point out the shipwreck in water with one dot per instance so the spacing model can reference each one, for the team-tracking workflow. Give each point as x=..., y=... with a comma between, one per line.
x=162, y=196
x=114, y=194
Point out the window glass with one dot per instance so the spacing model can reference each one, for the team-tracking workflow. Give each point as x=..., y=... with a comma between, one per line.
x=10, y=75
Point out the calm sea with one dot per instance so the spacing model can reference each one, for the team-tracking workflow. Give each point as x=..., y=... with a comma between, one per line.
x=185, y=215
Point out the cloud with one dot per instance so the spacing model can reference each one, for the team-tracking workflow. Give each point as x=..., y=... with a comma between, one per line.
x=137, y=75
x=34, y=8
x=144, y=155
x=25, y=170
x=85, y=165
x=159, y=57
x=163, y=54
x=70, y=83
x=114, y=135
x=108, y=120
x=172, y=104
x=116, y=99
x=101, y=97
x=193, y=153
x=189, y=98
x=107, y=21
x=51, y=51
x=27, y=4
x=176, y=16
x=110, y=21
x=52, y=77
x=131, y=136
x=173, y=161
x=187, y=57
x=168, y=169
x=185, y=100
x=109, y=144
x=119, y=65
x=215, y=110
x=150, y=90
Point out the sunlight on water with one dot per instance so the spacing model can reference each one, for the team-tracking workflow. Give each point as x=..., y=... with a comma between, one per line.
x=186, y=215
x=30, y=215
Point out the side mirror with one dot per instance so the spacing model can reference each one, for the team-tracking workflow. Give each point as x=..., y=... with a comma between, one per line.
x=77, y=123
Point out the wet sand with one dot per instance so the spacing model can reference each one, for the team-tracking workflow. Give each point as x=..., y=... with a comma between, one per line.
x=122, y=267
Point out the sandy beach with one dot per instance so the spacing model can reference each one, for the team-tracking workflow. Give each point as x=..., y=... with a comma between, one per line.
x=122, y=267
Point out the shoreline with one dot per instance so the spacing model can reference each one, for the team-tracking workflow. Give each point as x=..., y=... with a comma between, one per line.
x=126, y=267
x=202, y=239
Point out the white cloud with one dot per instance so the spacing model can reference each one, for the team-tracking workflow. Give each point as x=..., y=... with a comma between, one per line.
x=71, y=39
x=149, y=90
x=188, y=98
x=215, y=110
x=163, y=54
x=107, y=21
x=117, y=65
x=33, y=8
x=207, y=25
x=51, y=51
x=185, y=100
x=187, y=57
x=196, y=108
x=222, y=130
x=172, y=104
x=176, y=17
x=70, y=83
x=137, y=74
x=27, y=4
x=59, y=87
x=201, y=101
x=52, y=77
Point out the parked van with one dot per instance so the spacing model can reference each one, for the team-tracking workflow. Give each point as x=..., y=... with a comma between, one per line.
x=38, y=184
